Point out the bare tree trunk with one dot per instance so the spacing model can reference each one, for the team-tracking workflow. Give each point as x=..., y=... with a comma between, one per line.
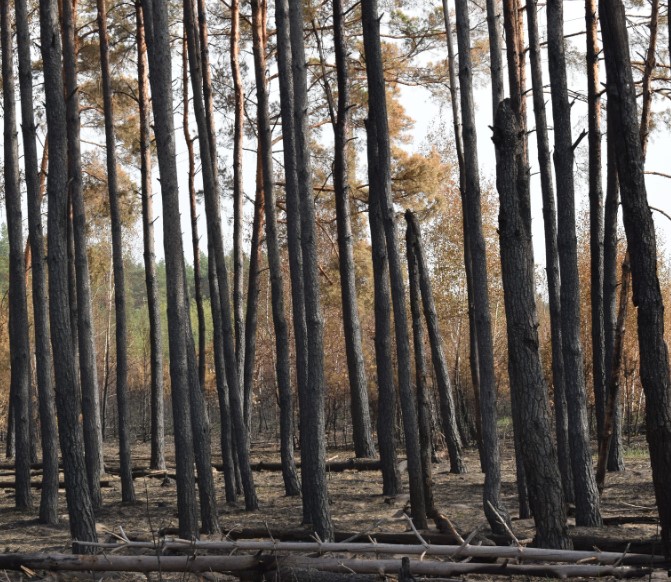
x=282, y=367
x=155, y=336
x=45, y=382
x=380, y=183
x=423, y=412
x=313, y=448
x=640, y=232
x=158, y=46
x=456, y=125
x=87, y=349
x=437, y=355
x=80, y=510
x=527, y=382
x=551, y=254
x=472, y=211
x=19, y=341
x=588, y=512
x=127, y=489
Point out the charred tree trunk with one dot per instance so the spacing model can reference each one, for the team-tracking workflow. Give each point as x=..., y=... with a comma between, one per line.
x=528, y=388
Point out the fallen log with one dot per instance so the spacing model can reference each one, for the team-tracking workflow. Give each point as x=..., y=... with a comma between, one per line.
x=452, y=551
x=37, y=484
x=332, y=466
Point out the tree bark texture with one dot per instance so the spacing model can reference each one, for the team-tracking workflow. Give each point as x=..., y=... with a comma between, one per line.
x=158, y=46
x=527, y=382
x=48, y=512
x=551, y=254
x=282, y=366
x=588, y=512
x=440, y=369
x=80, y=510
x=19, y=341
x=640, y=231
x=157, y=459
x=472, y=210
x=127, y=488
x=87, y=348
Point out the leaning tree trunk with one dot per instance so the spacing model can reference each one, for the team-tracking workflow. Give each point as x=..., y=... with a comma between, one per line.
x=380, y=181
x=127, y=489
x=640, y=231
x=437, y=354
x=423, y=411
x=527, y=381
x=158, y=46
x=313, y=449
x=87, y=348
x=361, y=422
x=157, y=457
x=43, y=360
x=588, y=512
x=282, y=367
x=19, y=342
x=80, y=509
x=472, y=210
x=551, y=255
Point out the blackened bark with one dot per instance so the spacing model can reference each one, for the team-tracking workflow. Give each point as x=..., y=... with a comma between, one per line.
x=640, y=232
x=494, y=29
x=238, y=200
x=361, y=422
x=380, y=181
x=19, y=341
x=527, y=382
x=282, y=367
x=472, y=210
x=80, y=510
x=456, y=125
x=595, y=213
x=43, y=360
x=386, y=409
x=586, y=495
x=615, y=455
x=127, y=488
x=157, y=458
x=551, y=254
x=158, y=46
x=423, y=411
x=447, y=409
x=87, y=348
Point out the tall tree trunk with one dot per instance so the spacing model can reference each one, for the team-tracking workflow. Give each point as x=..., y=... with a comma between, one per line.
x=472, y=210
x=87, y=348
x=596, y=229
x=238, y=200
x=551, y=254
x=494, y=29
x=19, y=342
x=361, y=422
x=313, y=447
x=380, y=183
x=127, y=489
x=528, y=388
x=158, y=46
x=588, y=512
x=43, y=361
x=282, y=366
x=213, y=212
x=423, y=412
x=615, y=455
x=437, y=355
x=456, y=125
x=157, y=458
x=80, y=510
x=193, y=213
x=640, y=232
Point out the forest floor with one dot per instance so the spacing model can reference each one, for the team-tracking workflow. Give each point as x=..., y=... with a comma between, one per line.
x=356, y=503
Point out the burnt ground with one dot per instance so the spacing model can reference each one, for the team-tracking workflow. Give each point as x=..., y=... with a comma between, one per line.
x=357, y=504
